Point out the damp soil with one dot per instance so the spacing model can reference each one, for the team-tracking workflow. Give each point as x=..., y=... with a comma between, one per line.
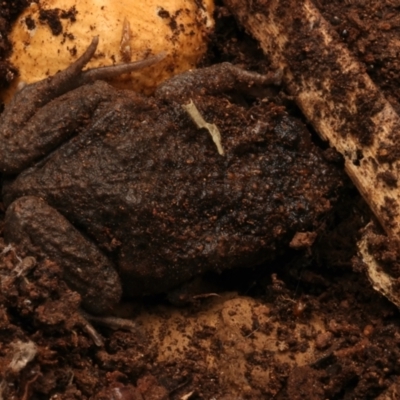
x=307, y=325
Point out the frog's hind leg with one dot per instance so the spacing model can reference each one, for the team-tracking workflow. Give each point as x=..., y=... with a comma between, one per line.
x=37, y=228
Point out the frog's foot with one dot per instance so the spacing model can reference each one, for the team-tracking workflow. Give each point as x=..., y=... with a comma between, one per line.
x=218, y=78
x=38, y=228
x=36, y=121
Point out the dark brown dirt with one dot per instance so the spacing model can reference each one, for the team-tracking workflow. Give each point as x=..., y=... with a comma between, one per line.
x=47, y=351
x=8, y=12
x=371, y=31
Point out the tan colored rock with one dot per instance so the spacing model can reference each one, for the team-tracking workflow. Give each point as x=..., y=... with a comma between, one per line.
x=228, y=333
x=48, y=37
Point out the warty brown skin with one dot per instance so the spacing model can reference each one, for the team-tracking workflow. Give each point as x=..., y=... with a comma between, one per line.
x=137, y=186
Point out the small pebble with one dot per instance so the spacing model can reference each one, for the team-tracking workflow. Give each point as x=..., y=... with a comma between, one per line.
x=368, y=330
x=323, y=340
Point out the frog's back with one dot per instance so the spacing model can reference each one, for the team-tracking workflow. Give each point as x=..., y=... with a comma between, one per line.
x=147, y=185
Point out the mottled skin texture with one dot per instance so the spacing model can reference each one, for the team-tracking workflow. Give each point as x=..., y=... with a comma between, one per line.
x=138, y=187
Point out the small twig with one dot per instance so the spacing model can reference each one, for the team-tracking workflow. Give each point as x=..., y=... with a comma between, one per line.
x=26, y=396
x=125, y=45
x=187, y=396
x=205, y=295
x=90, y=330
x=252, y=332
x=112, y=322
x=180, y=386
x=197, y=118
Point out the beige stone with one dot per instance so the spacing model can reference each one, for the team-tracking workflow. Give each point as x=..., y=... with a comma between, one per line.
x=128, y=30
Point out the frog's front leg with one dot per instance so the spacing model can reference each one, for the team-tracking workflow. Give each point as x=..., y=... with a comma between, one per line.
x=38, y=228
x=43, y=115
x=216, y=79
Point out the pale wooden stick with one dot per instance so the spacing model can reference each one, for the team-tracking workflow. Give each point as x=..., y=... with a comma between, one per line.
x=335, y=94
x=380, y=280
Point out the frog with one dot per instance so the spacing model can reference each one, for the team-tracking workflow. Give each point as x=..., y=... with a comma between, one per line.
x=130, y=197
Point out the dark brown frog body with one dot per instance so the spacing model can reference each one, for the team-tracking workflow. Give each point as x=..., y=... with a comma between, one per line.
x=148, y=192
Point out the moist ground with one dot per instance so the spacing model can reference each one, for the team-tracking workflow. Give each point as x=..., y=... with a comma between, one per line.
x=306, y=326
